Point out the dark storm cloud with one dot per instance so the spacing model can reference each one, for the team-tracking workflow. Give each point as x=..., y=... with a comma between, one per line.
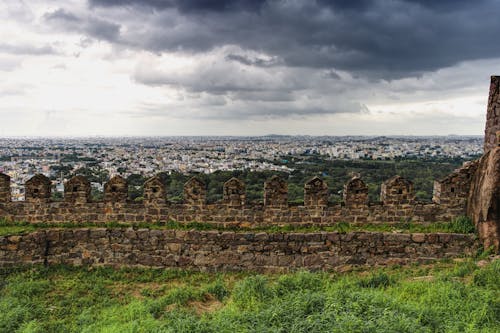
x=92, y=26
x=187, y=6
x=379, y=39
x=256, y=61
x=364, y=4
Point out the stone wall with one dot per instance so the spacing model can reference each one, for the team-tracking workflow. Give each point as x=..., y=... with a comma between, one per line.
x=224, y=215
x=397, y=205
x=228, y=251
x=453, y=190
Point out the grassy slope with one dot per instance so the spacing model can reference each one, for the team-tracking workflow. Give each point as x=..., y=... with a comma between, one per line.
x=445, y=297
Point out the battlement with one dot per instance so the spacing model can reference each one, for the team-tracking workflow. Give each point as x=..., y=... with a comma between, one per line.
x=397, y=202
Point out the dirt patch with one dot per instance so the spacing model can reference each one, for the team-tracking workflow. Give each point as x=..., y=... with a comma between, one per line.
x=210, y=304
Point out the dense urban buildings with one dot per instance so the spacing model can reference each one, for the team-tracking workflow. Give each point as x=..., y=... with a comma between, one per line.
x=58, y=158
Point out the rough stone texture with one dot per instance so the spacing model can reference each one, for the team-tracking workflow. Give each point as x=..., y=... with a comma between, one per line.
x=233, y=212
x=397, y=191
x=155, y=191
x=483, y=204
x=222, y=215
x=484, y=199
x=315, y=193
x=77, y=190
x=492, y=116
x=355, y=193
x=38, y=189
x=195, y=192
x=5, y=195
x=229, y=251
x=275, y=192
x=453, y=190
x=116, y=190
x=234, y=193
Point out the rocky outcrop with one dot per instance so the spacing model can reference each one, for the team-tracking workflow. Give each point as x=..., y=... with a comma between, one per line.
x=483, y=204
x=484, y=199
x=492, y=116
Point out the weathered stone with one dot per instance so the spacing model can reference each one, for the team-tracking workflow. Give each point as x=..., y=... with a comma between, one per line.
x=195, y=192
x=454, y=188
x=315, y=193
x=484, y=199
x=491, y=138
x=116, y=190
x=234, y=193
x=155, y=191
x=355, y=193
x=77, y=190
x=5, y=195
x=275, y=192
x=418, y=238
x=38, y=189
x=397, y=191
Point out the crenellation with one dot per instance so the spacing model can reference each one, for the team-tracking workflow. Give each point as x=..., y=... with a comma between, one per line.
x=453, y=190
x=5, y=195
x=316, y=193
x=275, y=192
x=38, y=189
x=234, y=193
x=195, y=192
x=355, y=193
x=77, y=190
x=155, y=192
x=397, y=191
x=116, y=190
x=232, y=210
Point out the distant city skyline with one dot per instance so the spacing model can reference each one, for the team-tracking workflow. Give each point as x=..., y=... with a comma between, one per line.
x=236, y=67
x=60, y=158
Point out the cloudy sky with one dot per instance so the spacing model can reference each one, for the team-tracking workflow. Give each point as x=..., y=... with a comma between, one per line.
x=255, y=67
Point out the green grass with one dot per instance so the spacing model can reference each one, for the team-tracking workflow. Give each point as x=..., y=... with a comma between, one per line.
x=444, y=297
x=459, y=225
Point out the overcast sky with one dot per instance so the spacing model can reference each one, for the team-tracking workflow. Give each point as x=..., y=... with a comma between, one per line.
x=235, y=67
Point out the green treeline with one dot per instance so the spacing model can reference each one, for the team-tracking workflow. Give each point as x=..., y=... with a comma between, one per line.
x=422, y=172
x=335, y=172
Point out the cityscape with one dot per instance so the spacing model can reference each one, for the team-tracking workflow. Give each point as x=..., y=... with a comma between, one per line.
x=59, y=158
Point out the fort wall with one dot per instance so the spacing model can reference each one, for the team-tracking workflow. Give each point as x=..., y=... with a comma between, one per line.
x=397, y=203
x=229, y=251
